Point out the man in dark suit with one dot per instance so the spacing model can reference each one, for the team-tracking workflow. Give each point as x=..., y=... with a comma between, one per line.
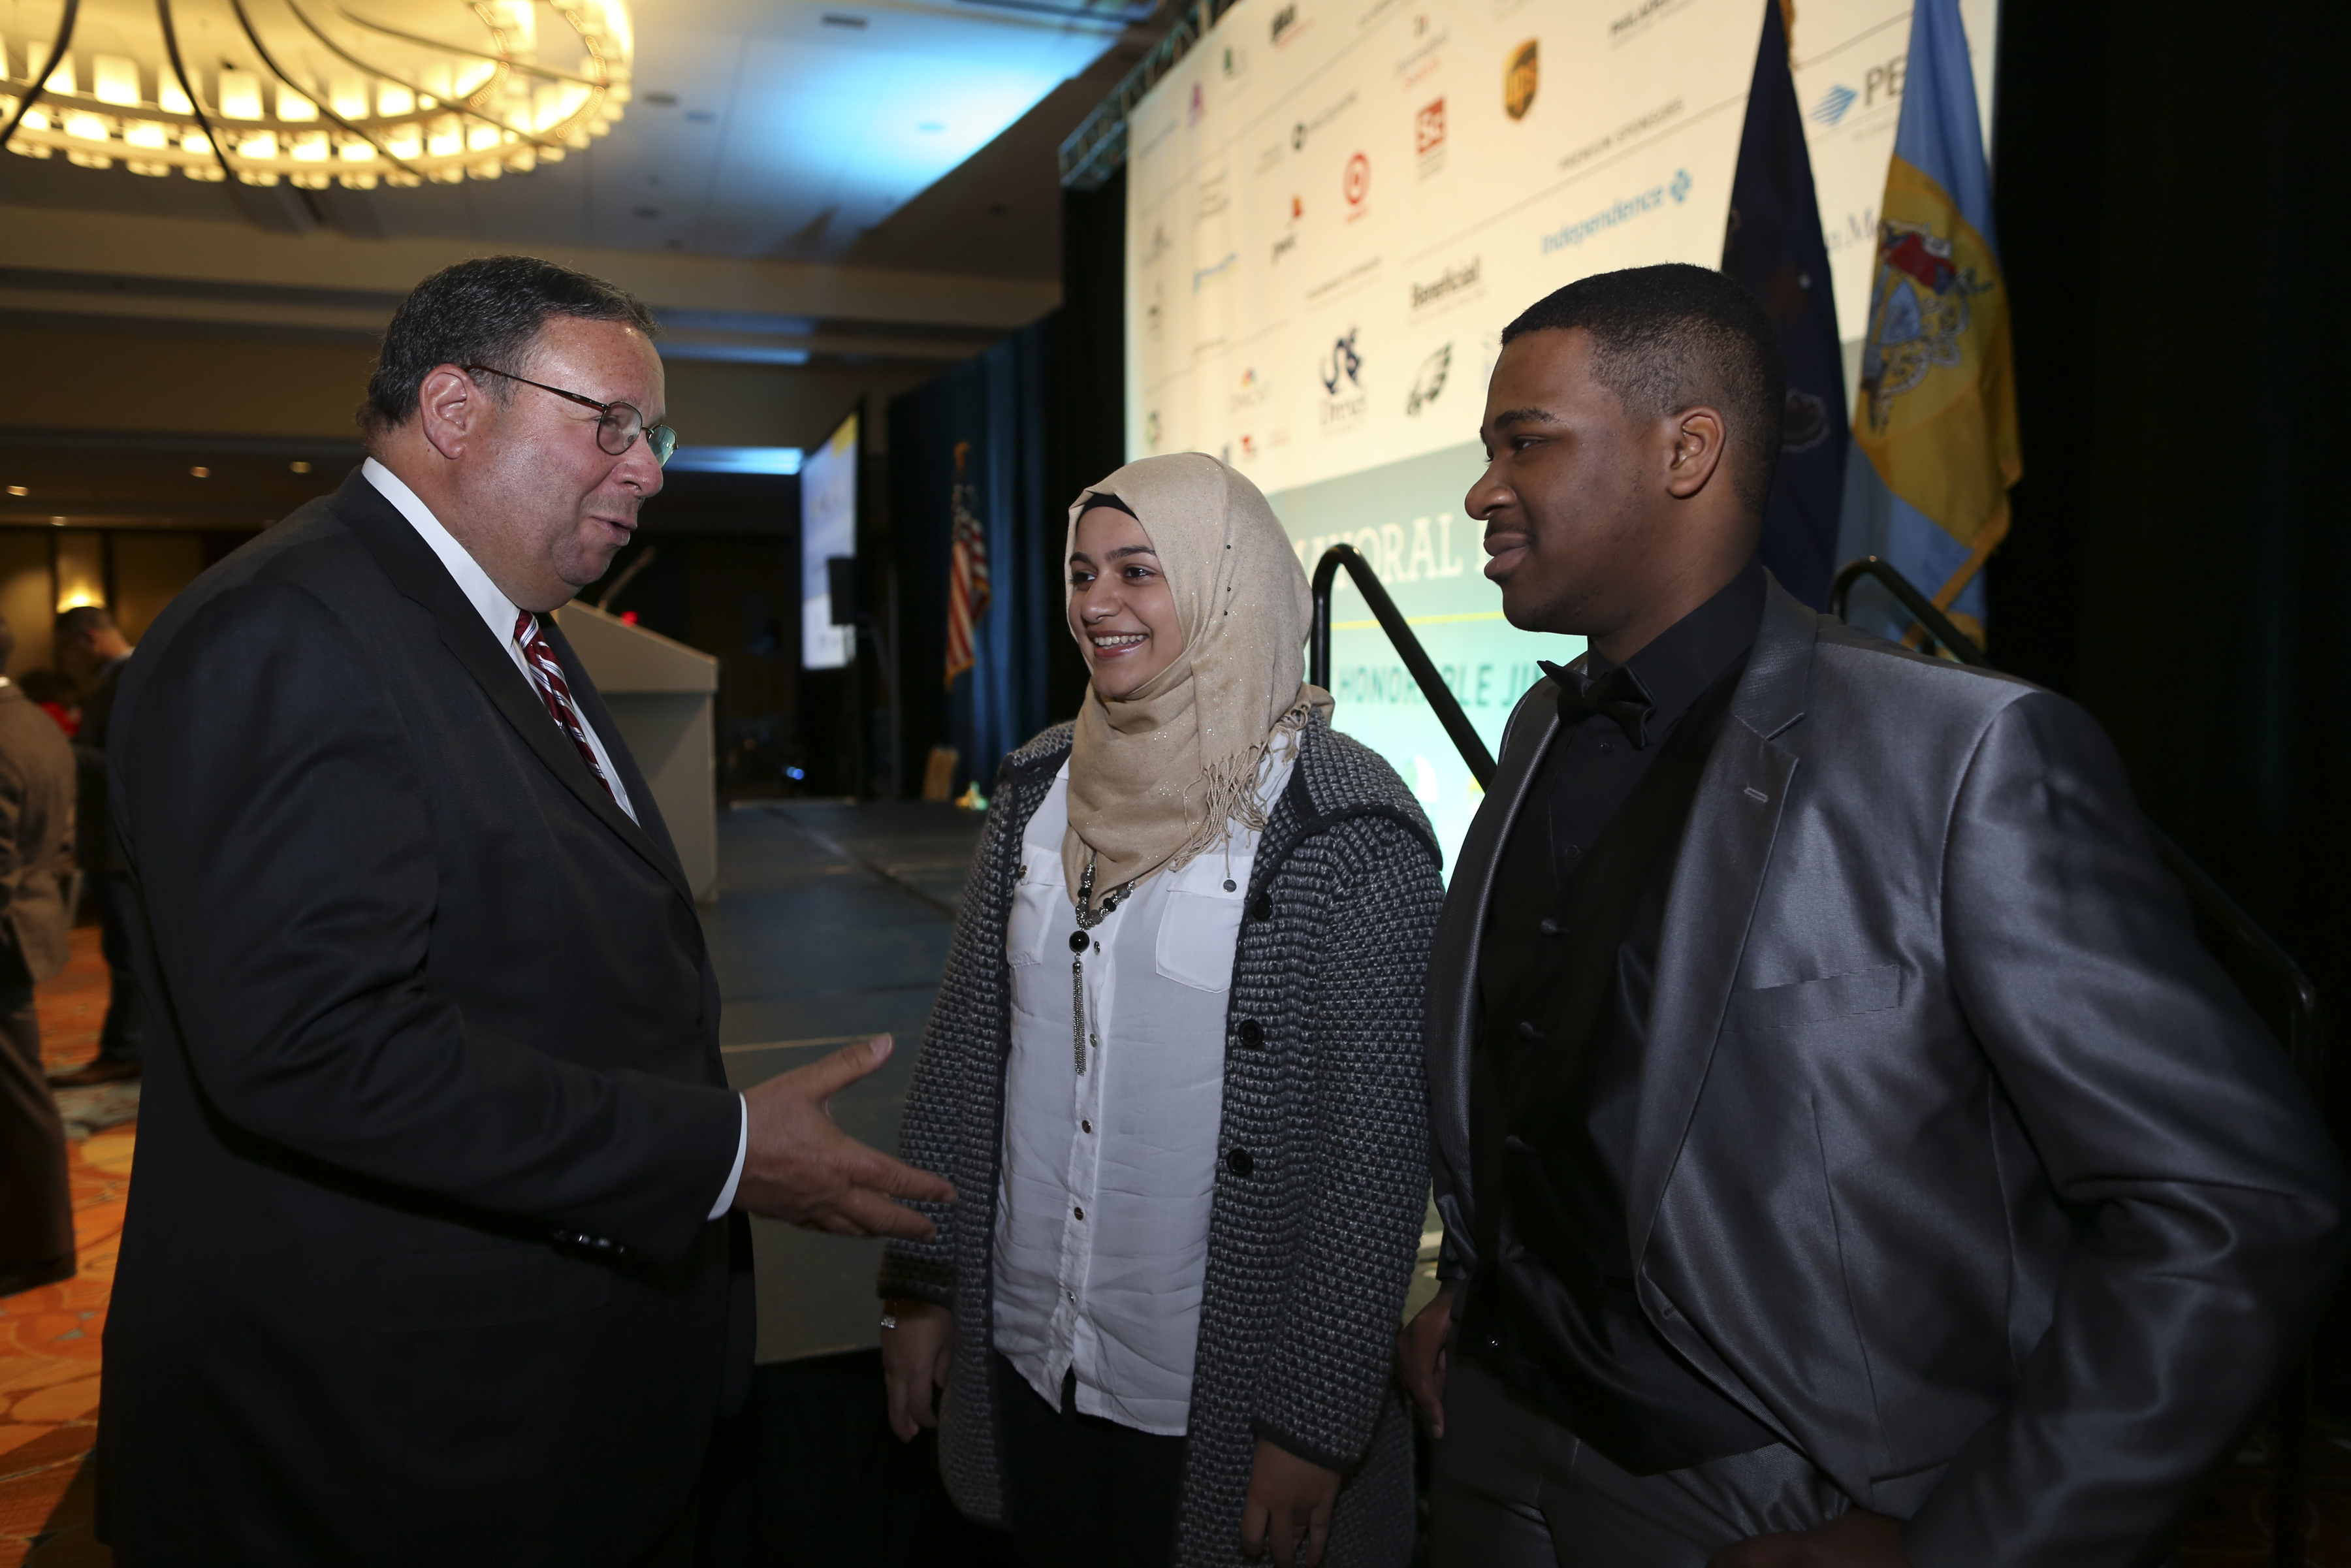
x=36, y=817
x=92, y=652
x=1847, y=1154
x=431, y=1257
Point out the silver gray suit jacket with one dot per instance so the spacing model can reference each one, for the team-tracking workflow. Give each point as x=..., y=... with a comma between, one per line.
x=1960, y=1164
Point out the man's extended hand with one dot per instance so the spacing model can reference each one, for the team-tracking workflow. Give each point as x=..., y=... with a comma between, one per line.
x=1420, y=1357
x=800, y=1167
x=1288, y=1497
x=1858, y=1539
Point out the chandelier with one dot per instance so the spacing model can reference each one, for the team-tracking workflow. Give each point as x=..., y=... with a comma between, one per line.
x=312, y=92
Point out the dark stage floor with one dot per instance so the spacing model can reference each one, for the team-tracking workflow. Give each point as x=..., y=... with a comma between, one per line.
x=832, y=924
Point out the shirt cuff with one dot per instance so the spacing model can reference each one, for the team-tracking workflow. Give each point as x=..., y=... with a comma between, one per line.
x=735, y=1177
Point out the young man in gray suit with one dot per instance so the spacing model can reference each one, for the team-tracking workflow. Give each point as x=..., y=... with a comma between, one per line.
x=1848, y=1154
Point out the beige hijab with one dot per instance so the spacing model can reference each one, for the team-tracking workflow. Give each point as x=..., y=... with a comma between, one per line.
x=1158, y=778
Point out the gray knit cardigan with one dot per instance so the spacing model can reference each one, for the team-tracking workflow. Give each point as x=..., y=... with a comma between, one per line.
x=1323, y=1170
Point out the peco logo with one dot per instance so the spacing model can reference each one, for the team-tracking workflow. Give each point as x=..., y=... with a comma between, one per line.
x=1522, y=73
x=1832, y=106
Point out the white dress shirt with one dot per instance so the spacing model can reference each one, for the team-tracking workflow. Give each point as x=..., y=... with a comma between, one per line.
x=498, y=614
x=1102, y=1217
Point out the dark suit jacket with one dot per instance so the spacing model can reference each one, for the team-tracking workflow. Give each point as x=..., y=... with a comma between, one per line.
x=1959, y=1165
x=95, y=849
x=417, y=1267
x=36, y=823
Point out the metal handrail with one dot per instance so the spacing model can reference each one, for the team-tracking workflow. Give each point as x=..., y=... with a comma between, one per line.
x=2304, y=1038
x=1441, y=700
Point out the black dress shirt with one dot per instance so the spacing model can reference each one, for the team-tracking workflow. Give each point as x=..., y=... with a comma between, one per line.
x=1570, y=953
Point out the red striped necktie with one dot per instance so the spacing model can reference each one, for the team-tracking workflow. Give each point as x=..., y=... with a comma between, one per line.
x=547, y=675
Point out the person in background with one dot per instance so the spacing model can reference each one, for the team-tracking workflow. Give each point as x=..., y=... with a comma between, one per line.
x=1848, y=1157
x=1178, y=1040
x=45, y=691
x=92, y=653
x=36, y=820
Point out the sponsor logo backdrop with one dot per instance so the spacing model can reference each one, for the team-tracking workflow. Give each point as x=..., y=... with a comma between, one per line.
x=1333, y=209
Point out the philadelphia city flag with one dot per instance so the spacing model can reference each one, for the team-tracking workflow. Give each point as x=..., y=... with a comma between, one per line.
x=1773, y=246
x=1934, y=427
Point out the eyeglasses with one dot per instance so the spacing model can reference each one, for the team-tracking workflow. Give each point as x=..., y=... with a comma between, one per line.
x=621, y=426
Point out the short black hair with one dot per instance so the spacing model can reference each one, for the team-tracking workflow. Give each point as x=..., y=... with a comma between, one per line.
x=485, y=312
x=81, y=619
x=1672, y=336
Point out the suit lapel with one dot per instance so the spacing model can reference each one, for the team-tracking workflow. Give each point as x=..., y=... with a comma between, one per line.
x=419, y=575
x=1726, y=849
x=1454, y=956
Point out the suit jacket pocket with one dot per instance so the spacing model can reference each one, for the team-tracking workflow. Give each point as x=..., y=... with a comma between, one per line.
x=482, y=1288
x=1815, y=1001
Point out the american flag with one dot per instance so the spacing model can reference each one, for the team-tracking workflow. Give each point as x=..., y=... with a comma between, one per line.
x=967, y=572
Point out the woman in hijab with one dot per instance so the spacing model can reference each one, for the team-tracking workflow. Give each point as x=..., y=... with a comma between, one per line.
x=1174, y=1069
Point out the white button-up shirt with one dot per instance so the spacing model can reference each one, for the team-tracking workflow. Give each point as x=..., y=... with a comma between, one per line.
x=1102, y=1228
x=498, y=612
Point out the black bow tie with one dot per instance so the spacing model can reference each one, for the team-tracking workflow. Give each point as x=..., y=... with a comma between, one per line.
x=1617, y=694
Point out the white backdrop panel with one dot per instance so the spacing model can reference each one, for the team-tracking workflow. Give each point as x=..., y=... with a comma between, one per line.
x=1333, y=209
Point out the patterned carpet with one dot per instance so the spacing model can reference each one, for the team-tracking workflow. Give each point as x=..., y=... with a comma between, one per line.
x=49, y=1338
x=49, y=1342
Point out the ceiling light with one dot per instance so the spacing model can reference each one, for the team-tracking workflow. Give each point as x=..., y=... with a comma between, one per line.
x=201, y=472
x=316, y=93
x=56, y=522
x=18, y=491
x=298, y=466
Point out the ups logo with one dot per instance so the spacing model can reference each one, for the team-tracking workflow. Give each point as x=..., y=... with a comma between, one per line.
x=1520, y=77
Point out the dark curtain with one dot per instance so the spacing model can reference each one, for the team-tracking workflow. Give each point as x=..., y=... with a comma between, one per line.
x=2169, y=188
x=1086, y=435
x=1044, y=412
x=997, y=403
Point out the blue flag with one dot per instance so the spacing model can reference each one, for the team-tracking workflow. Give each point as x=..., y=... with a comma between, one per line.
x=1935, y=441
x=1773, y=246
